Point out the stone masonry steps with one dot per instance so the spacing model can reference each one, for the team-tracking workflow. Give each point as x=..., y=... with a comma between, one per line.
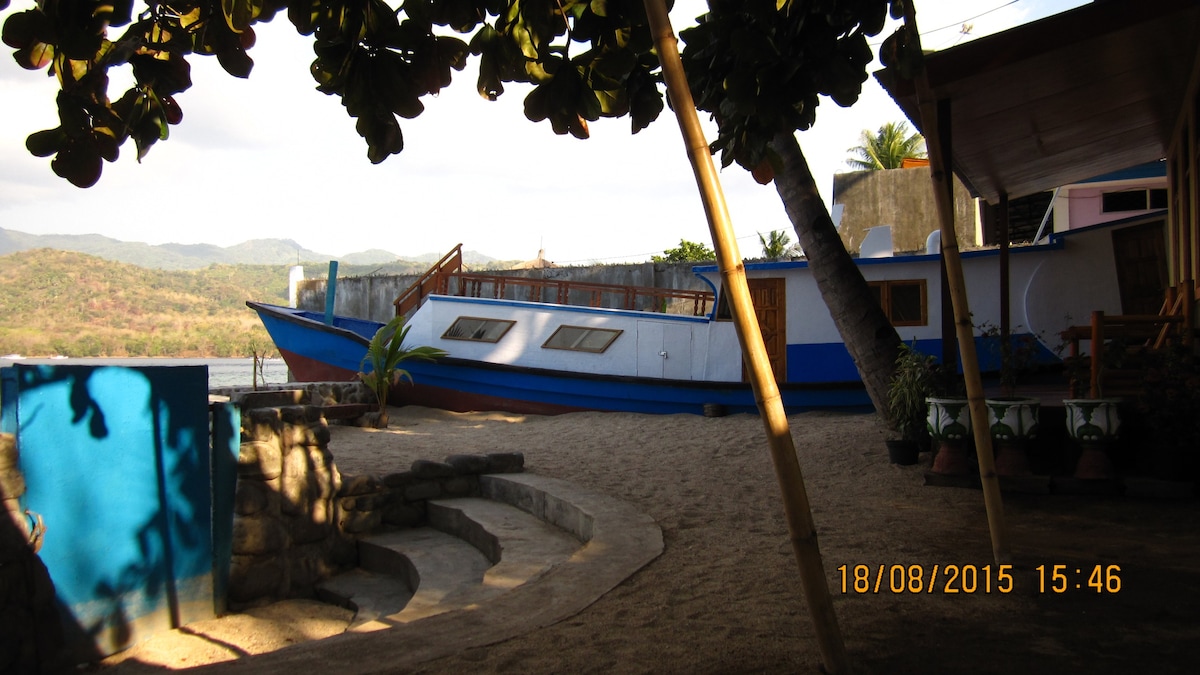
x=474, y=550
x=611, y=540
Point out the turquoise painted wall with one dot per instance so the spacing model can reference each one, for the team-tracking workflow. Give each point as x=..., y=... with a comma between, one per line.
x=119, y=464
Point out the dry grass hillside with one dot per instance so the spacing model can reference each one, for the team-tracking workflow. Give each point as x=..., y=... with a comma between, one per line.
x=60, y=302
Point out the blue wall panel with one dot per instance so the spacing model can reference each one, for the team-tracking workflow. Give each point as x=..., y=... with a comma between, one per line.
x=117, y=462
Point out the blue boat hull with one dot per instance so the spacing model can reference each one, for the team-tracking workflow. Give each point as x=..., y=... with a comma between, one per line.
x=316, y=352
x=455, y=384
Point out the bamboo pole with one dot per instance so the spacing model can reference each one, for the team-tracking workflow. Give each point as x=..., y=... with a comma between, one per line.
x=940, y=172
x=766, y=391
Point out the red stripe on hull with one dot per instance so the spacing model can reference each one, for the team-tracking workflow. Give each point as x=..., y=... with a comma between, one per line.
x=305, y=369
x=457, y=401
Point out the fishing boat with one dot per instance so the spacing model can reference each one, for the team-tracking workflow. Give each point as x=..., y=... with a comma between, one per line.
x=550, y=346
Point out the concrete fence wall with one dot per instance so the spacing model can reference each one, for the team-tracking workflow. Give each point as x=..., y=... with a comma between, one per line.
x=371, y=297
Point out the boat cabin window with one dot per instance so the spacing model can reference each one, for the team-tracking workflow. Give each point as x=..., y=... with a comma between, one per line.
x=580, y=339
x=478, y=330
x=903, y=301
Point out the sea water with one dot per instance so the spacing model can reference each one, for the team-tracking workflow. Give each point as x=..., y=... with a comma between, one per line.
x=221, y=372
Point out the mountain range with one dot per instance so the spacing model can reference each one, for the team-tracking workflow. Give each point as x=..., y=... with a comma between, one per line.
x=198, y=256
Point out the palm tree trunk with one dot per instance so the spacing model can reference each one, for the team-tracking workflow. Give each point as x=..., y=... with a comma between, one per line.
x=869, y=337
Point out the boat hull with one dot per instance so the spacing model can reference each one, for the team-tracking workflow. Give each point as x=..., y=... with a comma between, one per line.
x=313, y=351
x=460, y=385
x=316, y=352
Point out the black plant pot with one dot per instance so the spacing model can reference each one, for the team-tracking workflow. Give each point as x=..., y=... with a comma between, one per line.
x=903, y=451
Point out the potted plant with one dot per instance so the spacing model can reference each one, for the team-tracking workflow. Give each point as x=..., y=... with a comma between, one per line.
x=1093, y=423
x=385, y=352
x=948, y=421
x=1012, y=419
x=911, y=385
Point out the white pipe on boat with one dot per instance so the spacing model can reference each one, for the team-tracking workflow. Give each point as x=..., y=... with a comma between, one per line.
x=1046, y=216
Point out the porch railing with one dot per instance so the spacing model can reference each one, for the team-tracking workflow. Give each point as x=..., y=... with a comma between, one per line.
x=1174, y=323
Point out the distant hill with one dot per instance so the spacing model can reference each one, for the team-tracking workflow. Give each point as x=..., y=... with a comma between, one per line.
x=199, y=256
x=62, y=302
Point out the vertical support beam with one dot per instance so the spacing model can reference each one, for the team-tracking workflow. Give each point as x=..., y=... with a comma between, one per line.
x=1097, y=353
x=1004, y=234
x=766, y=392
x=935, y=116
x=949, y=344
x=330, y=291
x=1190, y=155
x=1189, y=312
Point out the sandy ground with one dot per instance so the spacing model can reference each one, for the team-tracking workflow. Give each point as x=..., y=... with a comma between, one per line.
x=725, y=596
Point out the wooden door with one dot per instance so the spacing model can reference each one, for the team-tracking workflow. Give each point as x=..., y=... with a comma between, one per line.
x=1141, y=262
x=664, y=350
x=770, y=306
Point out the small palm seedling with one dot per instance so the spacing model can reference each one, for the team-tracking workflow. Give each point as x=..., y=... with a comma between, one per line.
x=385, y=353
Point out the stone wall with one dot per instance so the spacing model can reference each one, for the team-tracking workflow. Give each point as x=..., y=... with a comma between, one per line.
x=284, y=538
x=903, y=199
x=296, y=517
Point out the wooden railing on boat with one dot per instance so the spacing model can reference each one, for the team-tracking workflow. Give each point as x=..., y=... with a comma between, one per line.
x=447, y=278
x=1174, y=323
x=429, y=282
x=587, y=294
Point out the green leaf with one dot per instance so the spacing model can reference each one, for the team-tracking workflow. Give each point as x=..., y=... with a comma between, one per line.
x=168, y=76
x=382, y=134
x=35, y=57
x=235, y=61
x=79, y=162
x=45, y=143
x=239, y=14
x=27, y=29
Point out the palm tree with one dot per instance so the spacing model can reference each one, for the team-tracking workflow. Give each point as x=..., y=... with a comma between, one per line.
x=776, y=245
x=886, y=148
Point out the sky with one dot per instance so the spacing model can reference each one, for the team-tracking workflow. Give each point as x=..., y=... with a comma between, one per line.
x=271, y=157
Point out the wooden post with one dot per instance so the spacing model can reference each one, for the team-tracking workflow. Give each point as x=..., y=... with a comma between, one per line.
x=1097, y=353
x=1189, y=319
x=1004, y=233
x=766, y=391
x=935, y=120
x=949, y=346
x=330, y=291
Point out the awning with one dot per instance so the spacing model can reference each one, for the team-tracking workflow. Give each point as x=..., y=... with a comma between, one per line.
x=1095, y=89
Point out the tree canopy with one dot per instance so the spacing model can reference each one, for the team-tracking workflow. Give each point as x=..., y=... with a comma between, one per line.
x=887, y=148
x=687, y=251
x=586, y=59
x=761, y=67
x=766, y=62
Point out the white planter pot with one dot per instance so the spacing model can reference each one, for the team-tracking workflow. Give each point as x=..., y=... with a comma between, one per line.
x=1012, y=423
x=1093, y=420
x=949, y=419
x=1013, y=419
x=949, y=425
